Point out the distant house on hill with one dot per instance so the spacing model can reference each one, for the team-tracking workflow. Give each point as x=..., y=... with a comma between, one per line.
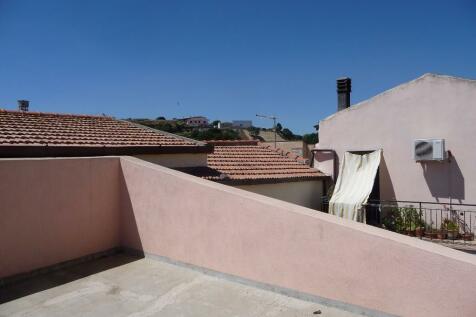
x=39, y=134
x=226, y=125
x=197, y=121
x=264, y=170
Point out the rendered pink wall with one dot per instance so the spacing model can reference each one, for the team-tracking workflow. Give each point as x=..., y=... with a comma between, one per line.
x=53, y=210
x=59, y=209
x=431, y=106
x=237, y=232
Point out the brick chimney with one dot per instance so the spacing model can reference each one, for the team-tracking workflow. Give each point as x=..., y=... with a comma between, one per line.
x=344, y=87
x=23, y=105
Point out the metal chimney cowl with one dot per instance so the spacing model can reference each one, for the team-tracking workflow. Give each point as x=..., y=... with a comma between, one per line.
x=344, y=87
x=23, y=105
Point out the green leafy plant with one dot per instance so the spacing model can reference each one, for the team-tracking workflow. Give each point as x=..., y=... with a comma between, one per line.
x=449, y=225
x=402, y=219
x=411, y=218
x=391, y=219
x=311, y=138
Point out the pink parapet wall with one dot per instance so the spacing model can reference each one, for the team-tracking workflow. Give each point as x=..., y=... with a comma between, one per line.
x=54, y=210
x=266, y=240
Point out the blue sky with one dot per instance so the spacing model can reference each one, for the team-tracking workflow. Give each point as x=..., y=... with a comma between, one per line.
x=224, y=59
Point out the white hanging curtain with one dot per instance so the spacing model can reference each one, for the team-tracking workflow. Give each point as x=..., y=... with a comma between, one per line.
x=354, y=185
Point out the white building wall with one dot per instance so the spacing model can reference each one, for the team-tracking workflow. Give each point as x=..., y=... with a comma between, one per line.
x=305, y=193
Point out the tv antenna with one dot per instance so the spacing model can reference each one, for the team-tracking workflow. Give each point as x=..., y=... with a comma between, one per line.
x=274, y=124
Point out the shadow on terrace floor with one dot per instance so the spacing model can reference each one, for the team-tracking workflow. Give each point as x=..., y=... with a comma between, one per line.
x=62, y=275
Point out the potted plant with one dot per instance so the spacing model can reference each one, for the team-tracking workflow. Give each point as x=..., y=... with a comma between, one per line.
x=468, y=236
x=420, y=231
x=405, y=220
x=414, y=225
x=392, y=220
x=441, y=234
x=429, y=233
x=451, y=228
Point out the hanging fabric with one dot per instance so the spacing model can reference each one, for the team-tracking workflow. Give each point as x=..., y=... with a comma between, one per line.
x=354, y=185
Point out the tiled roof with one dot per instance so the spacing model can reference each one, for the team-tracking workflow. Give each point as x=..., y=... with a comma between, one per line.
x=242, y=162
x=232, y=142
x=52, y=130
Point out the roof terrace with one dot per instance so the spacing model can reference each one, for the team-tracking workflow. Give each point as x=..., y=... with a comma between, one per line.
x=126, y=285
x=199, y=238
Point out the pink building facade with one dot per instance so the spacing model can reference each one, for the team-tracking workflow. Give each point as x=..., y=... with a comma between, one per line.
x=430, y=107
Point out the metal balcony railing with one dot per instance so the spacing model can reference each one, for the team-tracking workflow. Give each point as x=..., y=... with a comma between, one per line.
x=429, y=220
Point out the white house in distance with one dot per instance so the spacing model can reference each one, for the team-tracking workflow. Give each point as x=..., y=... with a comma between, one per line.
x=440, y=110
x=197, y=121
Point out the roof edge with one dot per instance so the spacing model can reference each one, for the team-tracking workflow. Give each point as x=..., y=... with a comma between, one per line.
x=288, y=154
x=198, y=143
x=73, y=151
x=232, y=142
x=261, y=181
x=424, y=76
x=42, y=113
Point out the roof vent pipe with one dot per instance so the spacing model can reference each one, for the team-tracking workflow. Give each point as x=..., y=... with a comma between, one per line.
x=344, y=87
x=23, y=105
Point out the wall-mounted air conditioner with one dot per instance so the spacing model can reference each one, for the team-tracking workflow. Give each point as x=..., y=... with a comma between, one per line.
x=429, y=150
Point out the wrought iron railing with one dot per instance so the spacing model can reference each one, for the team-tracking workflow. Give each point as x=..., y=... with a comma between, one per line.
x=430, y=220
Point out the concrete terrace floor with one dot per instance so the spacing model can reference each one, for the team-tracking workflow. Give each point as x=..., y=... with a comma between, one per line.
x=123, y=285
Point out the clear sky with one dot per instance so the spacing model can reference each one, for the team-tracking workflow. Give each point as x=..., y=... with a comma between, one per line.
x=224, y=59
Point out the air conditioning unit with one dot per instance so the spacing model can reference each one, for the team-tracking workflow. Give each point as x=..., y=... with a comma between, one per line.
x=429, y=150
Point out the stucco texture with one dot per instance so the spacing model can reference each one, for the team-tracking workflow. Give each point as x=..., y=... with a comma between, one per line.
x=55, y=210
x=267, y=240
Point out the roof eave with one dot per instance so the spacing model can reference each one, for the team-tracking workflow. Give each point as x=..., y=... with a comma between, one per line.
x=396, y=88
x=260, y=181
x=72, y=151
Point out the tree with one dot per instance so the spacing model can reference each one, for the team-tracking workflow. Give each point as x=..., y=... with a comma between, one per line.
x=279, y=127
x=166, y=127
x=211, y=134
x=160, y=118
x=215, y=123
x=311, y=138
x=253, y=130
x=287, y=134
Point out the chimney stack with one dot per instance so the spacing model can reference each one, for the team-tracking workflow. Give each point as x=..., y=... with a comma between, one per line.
x=344, y=87
x=23, y=105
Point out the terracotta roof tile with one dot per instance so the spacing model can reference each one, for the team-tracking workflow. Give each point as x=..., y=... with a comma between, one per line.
x=19, y=128
x=251, y=163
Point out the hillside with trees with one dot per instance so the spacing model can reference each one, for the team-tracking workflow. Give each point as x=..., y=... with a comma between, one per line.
x=180, y=128
x=212, y=132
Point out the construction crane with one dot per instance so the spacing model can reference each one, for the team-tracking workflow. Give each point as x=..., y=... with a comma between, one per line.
x=274, y=124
